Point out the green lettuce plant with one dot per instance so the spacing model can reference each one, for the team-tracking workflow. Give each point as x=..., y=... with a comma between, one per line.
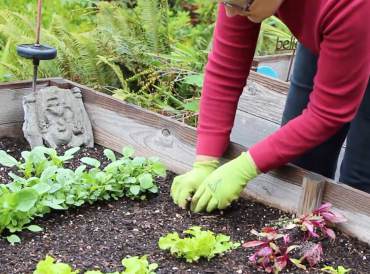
x=198, y=244
x=49, y=266
x=332, y=270
x=133, y=265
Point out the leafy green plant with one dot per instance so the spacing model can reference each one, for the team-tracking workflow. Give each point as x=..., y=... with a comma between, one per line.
x=145, y=52
x=49, y=266
x=136, y=265
x=47, y=185
x=332, y=270
x=133, y=265
x=199, y=244
x=36, y=161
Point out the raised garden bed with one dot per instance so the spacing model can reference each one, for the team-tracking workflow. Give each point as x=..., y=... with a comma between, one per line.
x=102, y=234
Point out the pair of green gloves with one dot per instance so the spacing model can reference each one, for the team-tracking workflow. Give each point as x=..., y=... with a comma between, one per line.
x=214, y=187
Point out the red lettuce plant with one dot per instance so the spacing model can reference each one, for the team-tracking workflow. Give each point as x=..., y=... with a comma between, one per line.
x=272, y=251
x=318, y=221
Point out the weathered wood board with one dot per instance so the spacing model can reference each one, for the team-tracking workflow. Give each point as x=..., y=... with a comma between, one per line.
x=270, y=83
x=117, y=123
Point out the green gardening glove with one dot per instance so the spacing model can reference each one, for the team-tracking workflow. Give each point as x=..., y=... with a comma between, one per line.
x=225, y=184
x=184, y=186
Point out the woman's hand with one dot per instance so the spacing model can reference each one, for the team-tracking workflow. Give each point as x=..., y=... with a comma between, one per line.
x=184, y=186
x=225, y=184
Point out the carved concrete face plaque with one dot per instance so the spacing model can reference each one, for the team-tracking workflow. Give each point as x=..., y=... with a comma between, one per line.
x=55, y=117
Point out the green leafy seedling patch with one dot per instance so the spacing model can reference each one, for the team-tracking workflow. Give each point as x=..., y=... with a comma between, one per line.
x=198, y=244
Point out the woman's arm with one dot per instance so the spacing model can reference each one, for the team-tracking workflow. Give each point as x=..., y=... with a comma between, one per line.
x=228, y=67
x=342, y=76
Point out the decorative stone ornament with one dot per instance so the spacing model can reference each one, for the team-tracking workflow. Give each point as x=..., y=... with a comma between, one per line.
x=55, y=117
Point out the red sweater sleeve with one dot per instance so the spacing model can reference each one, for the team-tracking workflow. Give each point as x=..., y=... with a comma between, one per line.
x=226, y=72
x=342, y=76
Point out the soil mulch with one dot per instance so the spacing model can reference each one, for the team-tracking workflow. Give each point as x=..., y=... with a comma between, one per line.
x=98, y=236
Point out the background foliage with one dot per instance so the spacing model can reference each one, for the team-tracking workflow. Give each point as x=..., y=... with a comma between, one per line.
x=147, y=52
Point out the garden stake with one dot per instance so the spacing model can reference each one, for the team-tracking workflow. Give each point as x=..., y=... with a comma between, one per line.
x=36, y=51
x=52, y=116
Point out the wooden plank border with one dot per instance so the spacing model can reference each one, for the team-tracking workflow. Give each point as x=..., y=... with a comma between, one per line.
x=117, y=123
x=270, y=83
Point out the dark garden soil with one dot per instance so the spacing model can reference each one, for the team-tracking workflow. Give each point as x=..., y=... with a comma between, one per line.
x=99, y=236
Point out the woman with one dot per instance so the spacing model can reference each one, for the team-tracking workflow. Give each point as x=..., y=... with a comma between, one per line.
x=325, y=102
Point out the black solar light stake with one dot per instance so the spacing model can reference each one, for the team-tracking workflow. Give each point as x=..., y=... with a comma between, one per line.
x=36, y=51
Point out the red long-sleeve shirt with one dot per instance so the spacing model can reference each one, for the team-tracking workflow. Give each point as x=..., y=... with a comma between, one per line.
x=337, y=30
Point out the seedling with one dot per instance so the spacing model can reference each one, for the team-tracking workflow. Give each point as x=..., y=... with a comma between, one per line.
x=272, y=251
x=133, y=265
x=318, y=221
x=49, y=266
x=199, y=244
x=36, y=161
x=273, y=248
x=332, y=270
x=47, y=185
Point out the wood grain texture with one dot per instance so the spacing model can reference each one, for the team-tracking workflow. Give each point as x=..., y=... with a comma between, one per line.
x=262, y=103
x=313, y=188
x=270, y=83
x=12, y=110
x=249, y=129
x=274, y=192
x=115, y=131
x=25, y=84
x=357, y=225
x=11, y=130
x=273, y=57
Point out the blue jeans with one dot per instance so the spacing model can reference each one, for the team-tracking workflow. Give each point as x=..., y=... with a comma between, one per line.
x=355, y=168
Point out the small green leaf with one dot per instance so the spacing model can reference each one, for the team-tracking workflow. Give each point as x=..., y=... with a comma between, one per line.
x=16, y=177
x=146, y=181
x=298, y=263
x=110, y=155
x=34, y=228
x=7, y=160
x=25, y=155
x=195, y=79
x=138, y=161
x=42, y=188
x=25, y=199
x=80, y=170
x=48, y=173
x=55, y=187
x=192, y=105
x=13, y=239
x=135, y=190
x=131, y=180
x=128, y=151
x=14, y=187
x=154, y=189
x=159, y=169
x=53, y=205
x=72, y=151
x=90, y=161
